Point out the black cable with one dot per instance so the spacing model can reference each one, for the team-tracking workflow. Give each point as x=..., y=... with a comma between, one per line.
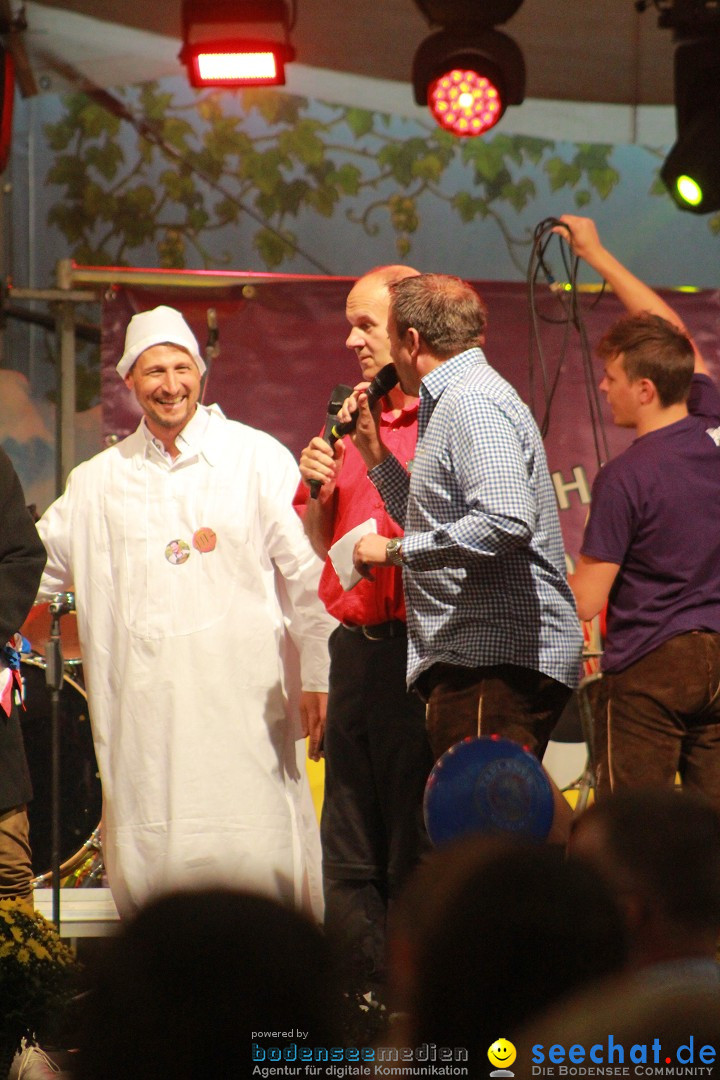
x=541, y=238
x=568, y=296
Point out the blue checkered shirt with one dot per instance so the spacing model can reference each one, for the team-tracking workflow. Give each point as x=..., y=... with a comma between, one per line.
x=484, y=572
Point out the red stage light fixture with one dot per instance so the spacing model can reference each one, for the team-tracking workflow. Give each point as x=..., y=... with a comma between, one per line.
x=236, y=42
x=468, y=75
x=464, y=102
x=237, y=63
x=7, y=95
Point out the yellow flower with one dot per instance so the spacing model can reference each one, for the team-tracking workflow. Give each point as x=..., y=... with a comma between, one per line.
x=23, y=955
x=39, y=950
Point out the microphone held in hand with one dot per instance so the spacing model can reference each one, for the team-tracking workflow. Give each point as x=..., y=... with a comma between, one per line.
x=381, y=385
x=334, y=406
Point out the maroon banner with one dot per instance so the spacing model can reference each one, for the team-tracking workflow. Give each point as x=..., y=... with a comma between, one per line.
x=282, y=350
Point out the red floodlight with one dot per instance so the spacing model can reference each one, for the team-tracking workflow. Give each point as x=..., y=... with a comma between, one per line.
x=468, y=77
x=236, y=42
x=7, y=94
x=237, y=63
x=464, y=102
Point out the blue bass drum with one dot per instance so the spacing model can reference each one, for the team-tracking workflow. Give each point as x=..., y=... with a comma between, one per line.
x=487, y=785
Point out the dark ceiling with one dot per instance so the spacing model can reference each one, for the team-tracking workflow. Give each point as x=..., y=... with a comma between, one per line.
x=576, y=50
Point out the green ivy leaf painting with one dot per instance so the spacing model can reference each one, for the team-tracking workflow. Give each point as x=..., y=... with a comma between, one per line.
x=162, y=171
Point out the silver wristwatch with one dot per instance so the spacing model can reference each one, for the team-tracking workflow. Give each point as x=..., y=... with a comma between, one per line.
x=393, y=551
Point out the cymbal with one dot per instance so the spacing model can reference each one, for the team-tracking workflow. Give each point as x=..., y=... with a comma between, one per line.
x=38, y=624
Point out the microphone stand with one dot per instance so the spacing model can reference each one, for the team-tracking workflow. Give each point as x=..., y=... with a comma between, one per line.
x=54, y=679
x=212, y=349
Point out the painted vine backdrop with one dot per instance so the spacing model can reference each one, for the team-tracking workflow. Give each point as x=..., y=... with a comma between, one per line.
x=158, y=173
x=161, y=175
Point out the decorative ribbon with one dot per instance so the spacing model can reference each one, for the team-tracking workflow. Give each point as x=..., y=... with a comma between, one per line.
x=10, y=660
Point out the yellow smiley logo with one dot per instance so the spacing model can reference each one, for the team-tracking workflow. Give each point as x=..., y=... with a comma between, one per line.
x=502, y=1053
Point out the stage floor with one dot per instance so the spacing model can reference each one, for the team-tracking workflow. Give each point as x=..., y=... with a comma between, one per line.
x=83, y=912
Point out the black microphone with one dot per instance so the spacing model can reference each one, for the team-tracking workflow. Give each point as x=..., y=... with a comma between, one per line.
x=213, y=332
x=334, y=405
x=212, y=348
x=386, y=378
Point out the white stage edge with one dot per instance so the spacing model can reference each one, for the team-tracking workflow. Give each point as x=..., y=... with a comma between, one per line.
x=83, y=912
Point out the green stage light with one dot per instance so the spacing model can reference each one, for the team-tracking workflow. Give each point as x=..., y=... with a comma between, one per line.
x=691, y=171
x=689, y=190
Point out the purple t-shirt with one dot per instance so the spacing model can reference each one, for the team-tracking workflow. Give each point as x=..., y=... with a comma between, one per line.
x=656, y=511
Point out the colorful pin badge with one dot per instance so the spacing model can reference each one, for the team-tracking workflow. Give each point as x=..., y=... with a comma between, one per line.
x=204, y=539
x=177, y=552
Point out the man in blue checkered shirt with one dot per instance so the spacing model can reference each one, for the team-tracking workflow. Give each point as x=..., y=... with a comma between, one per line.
x=493, y=635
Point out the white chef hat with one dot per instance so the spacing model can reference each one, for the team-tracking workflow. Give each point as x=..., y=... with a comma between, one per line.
x=161, y=326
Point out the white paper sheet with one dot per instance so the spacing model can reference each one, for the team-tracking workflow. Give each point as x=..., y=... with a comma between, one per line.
x=342, y=550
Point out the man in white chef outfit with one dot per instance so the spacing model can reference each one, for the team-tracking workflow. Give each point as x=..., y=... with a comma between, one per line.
x=188, y=563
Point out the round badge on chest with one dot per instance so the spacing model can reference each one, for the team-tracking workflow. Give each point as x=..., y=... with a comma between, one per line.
x=177, y=552
x=204, y=539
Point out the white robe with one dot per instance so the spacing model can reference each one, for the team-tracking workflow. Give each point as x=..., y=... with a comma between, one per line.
x=185, y=663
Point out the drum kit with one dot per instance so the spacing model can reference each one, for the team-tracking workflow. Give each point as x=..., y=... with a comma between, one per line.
x=569, y=755
x=58, y=740
x=51, y=636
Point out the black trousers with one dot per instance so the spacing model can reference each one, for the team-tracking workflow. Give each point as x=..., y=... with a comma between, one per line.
x=377, y=760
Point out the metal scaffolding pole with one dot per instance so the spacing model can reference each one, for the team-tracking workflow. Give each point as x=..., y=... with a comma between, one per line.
x=187, y=279
x=64, y=301
x=83, y=284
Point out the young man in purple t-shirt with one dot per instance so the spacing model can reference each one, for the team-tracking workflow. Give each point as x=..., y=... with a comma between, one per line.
x=651, y=548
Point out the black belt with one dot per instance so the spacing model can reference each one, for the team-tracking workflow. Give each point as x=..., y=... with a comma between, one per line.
x=395, y=628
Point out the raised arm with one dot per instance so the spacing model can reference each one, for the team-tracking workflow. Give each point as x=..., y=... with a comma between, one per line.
x=630, y=290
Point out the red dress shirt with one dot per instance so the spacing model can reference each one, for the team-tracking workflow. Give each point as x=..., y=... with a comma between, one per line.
x=356, y=499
